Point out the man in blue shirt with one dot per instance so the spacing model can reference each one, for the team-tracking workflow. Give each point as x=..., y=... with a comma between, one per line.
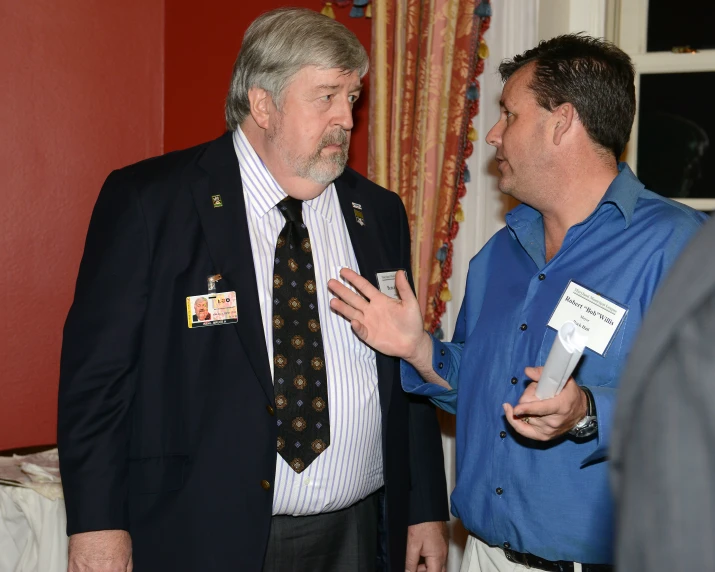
x=532, y=482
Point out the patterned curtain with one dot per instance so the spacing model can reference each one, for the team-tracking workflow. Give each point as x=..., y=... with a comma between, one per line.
x=425, y=59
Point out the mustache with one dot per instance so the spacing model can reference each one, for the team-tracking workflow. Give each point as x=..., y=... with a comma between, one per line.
x=337, y=137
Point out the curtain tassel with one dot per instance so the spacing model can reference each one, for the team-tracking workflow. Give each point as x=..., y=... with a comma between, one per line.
x=358, y=9
x=442, y=253
x=445, y=295
x=483, y=51
x=484, y=10
x=328, y=10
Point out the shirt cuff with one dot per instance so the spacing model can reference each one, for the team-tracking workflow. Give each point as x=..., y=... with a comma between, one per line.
x=413, y=383
x=603, y=400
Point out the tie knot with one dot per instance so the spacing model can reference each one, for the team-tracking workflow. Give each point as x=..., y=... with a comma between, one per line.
x=292, y=209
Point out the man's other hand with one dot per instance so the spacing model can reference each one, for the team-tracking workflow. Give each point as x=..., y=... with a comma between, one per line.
x=100, y=551
x=546, y=419
x=429, y=540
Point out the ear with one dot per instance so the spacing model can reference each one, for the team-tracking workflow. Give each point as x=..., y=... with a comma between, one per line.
x=563, y=118
x=260, y=102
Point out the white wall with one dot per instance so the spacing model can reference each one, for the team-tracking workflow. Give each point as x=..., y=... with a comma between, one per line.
x=563, y=16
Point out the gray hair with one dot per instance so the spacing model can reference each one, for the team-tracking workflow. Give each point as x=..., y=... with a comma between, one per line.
x=277, y=45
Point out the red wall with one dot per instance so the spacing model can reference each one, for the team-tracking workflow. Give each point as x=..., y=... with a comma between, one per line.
x=87, y=87
x=201, y=47
x=81, y=94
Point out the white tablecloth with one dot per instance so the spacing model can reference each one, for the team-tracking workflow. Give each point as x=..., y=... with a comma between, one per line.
x=32, y=515
x=32, y=532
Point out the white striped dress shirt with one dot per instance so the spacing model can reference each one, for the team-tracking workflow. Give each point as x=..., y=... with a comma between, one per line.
x=351, y=467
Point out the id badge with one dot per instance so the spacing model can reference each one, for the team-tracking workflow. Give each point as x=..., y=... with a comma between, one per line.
x=595, y=315
x=214, y=309
x=386, y=282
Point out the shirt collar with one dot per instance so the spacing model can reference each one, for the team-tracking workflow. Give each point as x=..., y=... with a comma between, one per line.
x=623, y=193
x=261, y=188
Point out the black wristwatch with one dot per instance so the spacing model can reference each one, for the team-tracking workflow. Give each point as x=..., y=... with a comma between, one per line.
x=589, y=424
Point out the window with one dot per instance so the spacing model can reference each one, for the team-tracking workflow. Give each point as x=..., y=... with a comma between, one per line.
x=672, y=146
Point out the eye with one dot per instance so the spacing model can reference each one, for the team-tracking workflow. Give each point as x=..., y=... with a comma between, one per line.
x=353, y=98
x=326, y=98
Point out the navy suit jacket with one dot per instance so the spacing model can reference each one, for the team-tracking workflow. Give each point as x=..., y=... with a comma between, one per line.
x=168, y=432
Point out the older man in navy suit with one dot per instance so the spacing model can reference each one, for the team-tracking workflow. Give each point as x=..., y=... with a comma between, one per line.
x=271, y=438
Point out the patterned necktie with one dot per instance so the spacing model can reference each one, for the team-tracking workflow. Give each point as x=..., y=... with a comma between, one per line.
x=299, y=379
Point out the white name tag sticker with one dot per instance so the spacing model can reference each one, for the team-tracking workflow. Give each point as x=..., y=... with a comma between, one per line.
x=597, y=316
x=386, y=283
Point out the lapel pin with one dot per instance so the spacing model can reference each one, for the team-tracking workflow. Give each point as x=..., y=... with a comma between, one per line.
x=216, y=200
x=357, y=211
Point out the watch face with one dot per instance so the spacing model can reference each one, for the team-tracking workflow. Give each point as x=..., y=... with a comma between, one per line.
x=586, y=427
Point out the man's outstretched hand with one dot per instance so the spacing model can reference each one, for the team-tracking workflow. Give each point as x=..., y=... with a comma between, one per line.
x=392, y=327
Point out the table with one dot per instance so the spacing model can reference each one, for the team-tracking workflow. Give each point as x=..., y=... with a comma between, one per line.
x=32, y=514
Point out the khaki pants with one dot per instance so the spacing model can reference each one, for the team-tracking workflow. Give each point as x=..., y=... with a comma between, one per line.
x=480, y=557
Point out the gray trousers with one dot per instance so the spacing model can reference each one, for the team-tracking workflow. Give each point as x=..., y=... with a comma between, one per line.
x=340, y=541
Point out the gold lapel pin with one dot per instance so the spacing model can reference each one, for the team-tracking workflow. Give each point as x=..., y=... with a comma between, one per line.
x=357, y=211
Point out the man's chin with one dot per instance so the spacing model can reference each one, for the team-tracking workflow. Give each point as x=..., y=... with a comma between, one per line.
x=325, y=176
x=504, y=187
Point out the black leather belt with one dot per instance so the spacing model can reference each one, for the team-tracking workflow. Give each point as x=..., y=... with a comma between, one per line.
x=531, y=561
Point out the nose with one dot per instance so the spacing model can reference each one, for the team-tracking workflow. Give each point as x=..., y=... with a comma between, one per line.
x=494, y=136
x=344, y=115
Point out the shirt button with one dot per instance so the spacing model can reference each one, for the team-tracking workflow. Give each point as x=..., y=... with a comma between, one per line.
x=270, y=410
x=499, y=490
x=523, y=327
x=514, y=380
x=507, y=545
x=502, y=434
x=442, y=352
x=542, y=276
x=265, y=485
x=440, y=365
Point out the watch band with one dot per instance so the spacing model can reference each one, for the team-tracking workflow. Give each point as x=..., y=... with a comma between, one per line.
x=589, y=424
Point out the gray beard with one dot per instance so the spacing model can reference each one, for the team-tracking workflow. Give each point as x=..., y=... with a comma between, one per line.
x=322, y=170
x=316, y=167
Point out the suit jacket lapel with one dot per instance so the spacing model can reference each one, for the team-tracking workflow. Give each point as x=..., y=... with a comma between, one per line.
x=367, y=243
x=229, y=243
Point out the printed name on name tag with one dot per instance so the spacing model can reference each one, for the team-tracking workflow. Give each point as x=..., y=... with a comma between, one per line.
x=386, y=283
x=596, y=316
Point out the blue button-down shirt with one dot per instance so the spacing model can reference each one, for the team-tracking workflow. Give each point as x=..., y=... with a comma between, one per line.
x=549, y=499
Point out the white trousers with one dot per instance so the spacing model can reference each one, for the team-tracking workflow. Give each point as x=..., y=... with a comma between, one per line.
x=480, y=557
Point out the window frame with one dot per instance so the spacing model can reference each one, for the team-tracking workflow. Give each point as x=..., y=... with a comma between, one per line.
x=627, y=27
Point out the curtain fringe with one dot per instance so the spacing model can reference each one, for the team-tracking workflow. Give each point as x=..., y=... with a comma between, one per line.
x=478, y=53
